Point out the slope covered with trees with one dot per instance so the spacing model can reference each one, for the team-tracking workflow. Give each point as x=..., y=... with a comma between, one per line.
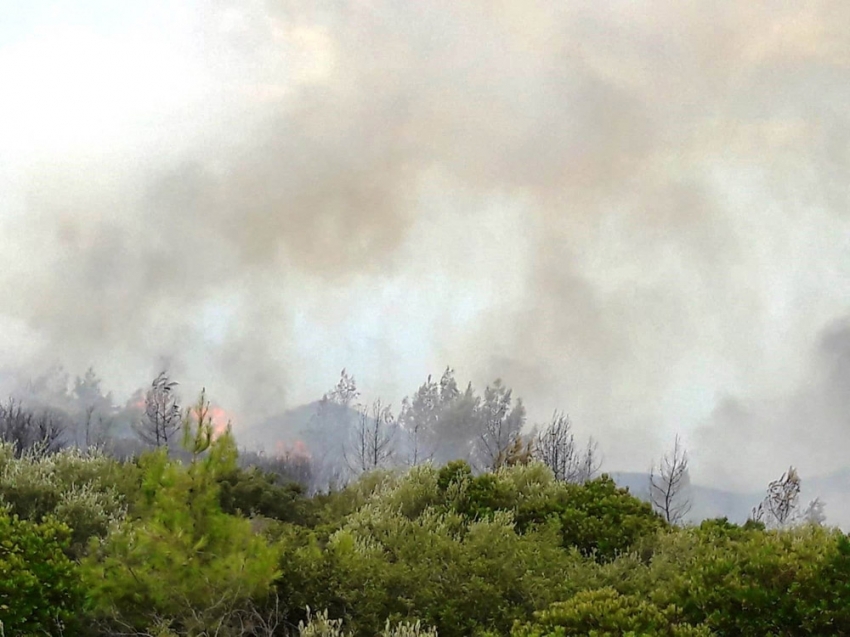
x=192, y=540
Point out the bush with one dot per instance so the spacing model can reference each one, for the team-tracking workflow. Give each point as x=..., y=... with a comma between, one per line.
x=320, y=625
x=182, y=559
x=85, y=492
x=605, y=613
x=402, y=556
x=597, y=518
x=254, y=492
x=39, y=590
x=750, y=581
x=739, y=580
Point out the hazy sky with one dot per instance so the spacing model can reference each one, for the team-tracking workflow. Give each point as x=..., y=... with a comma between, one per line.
x=633, y=211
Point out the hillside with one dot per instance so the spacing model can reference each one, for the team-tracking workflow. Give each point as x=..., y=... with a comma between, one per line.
x=286, y=427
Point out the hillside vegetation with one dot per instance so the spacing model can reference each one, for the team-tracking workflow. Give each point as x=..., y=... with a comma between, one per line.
x=191, y=544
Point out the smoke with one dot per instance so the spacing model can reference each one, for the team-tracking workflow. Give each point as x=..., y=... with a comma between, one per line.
x=630, y=211
x=759, y=437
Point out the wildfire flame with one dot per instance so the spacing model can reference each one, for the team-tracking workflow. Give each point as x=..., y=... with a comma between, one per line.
x=218, y=416
x=297, y=448
x=219, y=419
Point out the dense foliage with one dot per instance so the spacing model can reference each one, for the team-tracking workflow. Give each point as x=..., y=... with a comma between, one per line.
x=180, y=560
x=39, y=591
x=193, y=543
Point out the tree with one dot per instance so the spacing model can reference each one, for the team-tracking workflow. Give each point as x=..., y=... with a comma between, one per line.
x=556, y=447
x=499, y=424
x=345, y=392
x=741, y=580
x=49, y=429
x=93, y=412
x=780, y=506
x=395, y=559
x=86, y=492
x=439, y=421
x=50, y=390
x=418, y=419
x=181, y=562
x=286, y=464
x=669, y=482
x=253, y=492
x=601, y=519
x=371, y=444
x=16, y=425
x=26, y=430
x=163, y=416
x=328, y=434
x=457, y=430
x=814, y=513
x=520, y=452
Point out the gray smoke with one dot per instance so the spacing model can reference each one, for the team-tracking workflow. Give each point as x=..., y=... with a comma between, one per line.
x=631, y=211
x=759, y=437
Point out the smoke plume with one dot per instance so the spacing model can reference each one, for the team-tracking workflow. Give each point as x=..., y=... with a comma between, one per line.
x=633, y=211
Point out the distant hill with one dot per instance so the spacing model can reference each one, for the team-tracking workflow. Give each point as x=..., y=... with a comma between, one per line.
x=286, y=427
x=707, y=502
x=301, y=425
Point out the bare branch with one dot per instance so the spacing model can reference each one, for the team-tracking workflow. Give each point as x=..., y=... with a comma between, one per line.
x=28, y=431
x=781, y=505
x=668, y=484
x=372, y=441
x=163, y=416
x=555, y=446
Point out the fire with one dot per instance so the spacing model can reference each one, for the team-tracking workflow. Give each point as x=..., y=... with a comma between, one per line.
x=220, y=419
x=136, y=401
x=217, y=416
x=298, y=449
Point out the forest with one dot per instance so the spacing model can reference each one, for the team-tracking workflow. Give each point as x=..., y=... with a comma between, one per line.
x=518, y=535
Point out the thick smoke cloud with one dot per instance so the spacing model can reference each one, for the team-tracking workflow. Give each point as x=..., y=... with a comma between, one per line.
x=808, y=427
x=631, y=211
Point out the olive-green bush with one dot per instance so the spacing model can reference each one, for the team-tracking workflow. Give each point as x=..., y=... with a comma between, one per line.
x=181, y=561
x=190, y=545
x=40, y=591
x=87, y=492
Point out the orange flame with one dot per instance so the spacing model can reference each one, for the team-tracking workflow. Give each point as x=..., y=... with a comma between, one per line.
x=216, y=415
x=298, y=448
x=220, y=419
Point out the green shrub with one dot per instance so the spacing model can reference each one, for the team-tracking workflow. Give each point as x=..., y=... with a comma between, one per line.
x=254, y=492
x=605, y=613
x=739, y=580
x=85, y=492
x=403, y=556
x=39, y=590
x=320, y=625
x=751, y=581
x=182, y=558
